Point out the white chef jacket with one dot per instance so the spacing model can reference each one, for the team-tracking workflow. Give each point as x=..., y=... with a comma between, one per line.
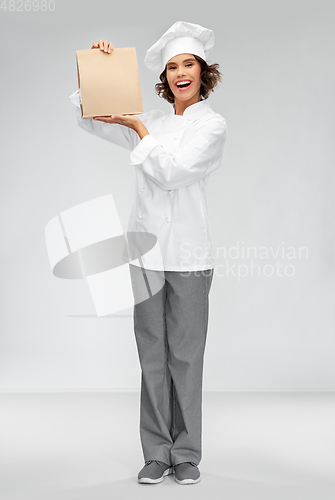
x=172, y=166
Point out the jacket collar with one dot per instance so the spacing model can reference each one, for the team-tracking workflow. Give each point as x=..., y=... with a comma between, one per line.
x=193, y=110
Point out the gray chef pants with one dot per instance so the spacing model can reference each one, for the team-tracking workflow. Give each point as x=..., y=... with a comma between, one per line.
x=170, y=329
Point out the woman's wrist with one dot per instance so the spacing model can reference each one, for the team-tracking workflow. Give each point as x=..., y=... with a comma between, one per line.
x=141, y=129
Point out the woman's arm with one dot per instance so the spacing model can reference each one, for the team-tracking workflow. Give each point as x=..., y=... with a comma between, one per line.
x=199, y=156
x=117, y=134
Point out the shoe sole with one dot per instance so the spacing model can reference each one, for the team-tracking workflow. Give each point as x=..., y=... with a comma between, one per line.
x=148, y=480
x=187, y=481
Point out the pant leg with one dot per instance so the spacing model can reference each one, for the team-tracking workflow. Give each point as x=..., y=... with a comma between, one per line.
x=150, y=333
x=187, y=307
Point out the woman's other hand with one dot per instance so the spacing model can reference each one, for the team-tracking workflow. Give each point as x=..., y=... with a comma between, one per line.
x=127, y=120
x=131, y=121
x=105, y=46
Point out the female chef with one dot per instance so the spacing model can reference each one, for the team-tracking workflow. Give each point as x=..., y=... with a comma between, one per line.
x=173, y=155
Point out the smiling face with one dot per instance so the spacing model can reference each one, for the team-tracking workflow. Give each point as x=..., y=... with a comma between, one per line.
x=183, y=76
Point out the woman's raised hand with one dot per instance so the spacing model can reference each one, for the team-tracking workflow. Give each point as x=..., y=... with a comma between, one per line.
x=105, y=46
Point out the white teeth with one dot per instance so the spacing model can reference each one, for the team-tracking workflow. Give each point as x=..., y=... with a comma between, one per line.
x=182, y=83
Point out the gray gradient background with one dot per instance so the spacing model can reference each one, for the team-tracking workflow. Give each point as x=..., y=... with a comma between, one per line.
x=276, y=185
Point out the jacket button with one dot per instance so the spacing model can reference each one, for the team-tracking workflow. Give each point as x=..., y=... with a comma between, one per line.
x=142, y=190
x=140, y=216
x=167, y=220
x=170, y=192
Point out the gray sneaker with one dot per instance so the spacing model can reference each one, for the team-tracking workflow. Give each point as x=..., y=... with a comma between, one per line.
x=187, y=473
x=154, y=472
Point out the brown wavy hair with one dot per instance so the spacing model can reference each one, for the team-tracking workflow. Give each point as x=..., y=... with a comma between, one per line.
x=210, y=76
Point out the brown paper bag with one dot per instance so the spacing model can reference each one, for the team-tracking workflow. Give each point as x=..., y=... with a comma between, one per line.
x=109, y=83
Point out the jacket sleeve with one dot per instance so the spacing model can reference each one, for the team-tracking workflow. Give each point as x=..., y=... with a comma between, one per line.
x=194, y=159
x=112, y=132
